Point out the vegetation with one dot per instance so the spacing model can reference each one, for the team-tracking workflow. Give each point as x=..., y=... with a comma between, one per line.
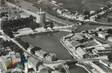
x=110, y=57
x=24, y=44
x=11, y=26
x=35, y=49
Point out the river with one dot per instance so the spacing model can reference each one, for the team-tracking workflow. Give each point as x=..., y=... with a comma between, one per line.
x=83, y=4
x=50, y=43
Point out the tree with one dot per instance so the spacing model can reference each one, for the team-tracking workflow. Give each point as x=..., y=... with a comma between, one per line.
x=109, y=31
x=46, y=54
x=110, y=57
x=38, y=64
x=51, y=24
x=8, y=31
x=24, y=44
x=35, y=49
x=86, y=12
x=71, y=63
x=86, y=56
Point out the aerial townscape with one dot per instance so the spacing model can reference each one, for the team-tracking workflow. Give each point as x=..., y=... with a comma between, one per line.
x=55, y=36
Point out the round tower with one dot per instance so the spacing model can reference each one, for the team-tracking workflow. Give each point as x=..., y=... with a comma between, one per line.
x=42, y=18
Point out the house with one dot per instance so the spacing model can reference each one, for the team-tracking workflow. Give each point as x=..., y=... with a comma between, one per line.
x=102, y=35
x=110, y=39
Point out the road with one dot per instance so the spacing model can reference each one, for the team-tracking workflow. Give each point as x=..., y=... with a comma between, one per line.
x=34, y=11
x=35, y=57
x=28, y=7
x=28, y=31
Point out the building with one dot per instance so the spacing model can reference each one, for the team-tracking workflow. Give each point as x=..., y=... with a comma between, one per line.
x=83, y=45
x=109, y=38
x=102, y=35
